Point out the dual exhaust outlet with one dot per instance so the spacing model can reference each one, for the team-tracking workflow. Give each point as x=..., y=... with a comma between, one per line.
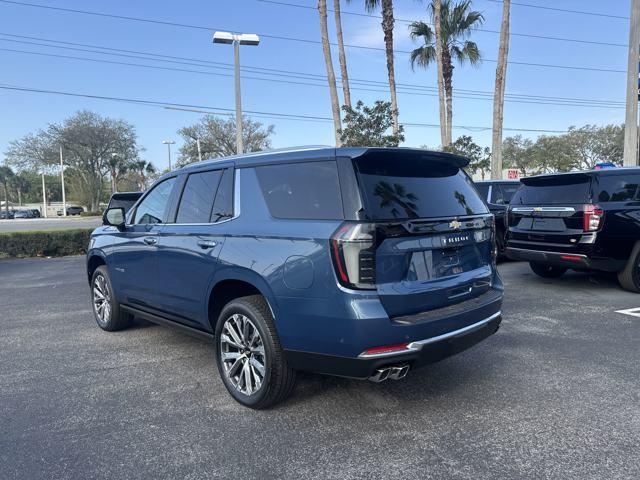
x=393, y=372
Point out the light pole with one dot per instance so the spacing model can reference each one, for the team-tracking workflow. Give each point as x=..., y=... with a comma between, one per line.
x=237, y=40
x=64, y=195
x=168, y=143
x=631, y=117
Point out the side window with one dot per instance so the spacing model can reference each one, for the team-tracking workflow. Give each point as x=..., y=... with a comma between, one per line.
x=618, y=188
x=302, y=190
x=496, y=195
x=153, y=208
x=197, y=197
x=223, y=206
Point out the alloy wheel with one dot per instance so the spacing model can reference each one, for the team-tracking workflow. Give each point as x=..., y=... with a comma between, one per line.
x=242, y=354
x=101, y=299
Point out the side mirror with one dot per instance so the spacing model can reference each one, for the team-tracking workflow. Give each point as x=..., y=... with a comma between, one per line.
x=114, y=217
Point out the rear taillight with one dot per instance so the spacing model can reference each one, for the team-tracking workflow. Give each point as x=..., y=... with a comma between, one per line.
x=592, y=218
x=353, y=253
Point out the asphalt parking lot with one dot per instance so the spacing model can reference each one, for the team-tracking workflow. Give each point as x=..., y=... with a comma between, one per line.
x=59, y=223
x=554, y=394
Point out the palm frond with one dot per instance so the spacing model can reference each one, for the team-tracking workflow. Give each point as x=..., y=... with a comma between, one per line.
x=423, y=56
x=421, y=30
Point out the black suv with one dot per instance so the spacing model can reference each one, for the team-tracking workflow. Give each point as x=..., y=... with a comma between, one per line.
x=581, y=220
x=498, y=194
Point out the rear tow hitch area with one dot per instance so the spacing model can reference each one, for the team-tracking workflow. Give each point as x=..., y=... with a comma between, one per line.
x=393, y=372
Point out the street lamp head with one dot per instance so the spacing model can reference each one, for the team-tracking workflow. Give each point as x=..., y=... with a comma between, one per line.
x=168, y=142
x=249, y=39
x=223, y=37
x=229, y=38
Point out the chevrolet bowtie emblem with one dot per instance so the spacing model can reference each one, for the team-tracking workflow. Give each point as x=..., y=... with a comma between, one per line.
x=455, y=224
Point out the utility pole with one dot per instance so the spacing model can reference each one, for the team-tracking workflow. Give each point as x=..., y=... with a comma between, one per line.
x=64, y=195
x=199, y=150
x=631, y=118
x=498, y=94
x=44, y=198
x=168, y=143
x=237, y=40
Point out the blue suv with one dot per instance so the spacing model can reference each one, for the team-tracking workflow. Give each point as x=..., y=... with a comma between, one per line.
x=358, y=262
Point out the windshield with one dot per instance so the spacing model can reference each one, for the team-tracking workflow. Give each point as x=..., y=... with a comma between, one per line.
x=399, y=189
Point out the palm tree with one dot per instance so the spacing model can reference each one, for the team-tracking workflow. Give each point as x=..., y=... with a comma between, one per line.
x=117, y=166
x=456, y=24
x=21, y=185
x=437, y=16
x=498, y=95
x=395, y=196
x=143, y=169
x=6, y=175
x=341, y=54
x=387, y=28
x=331, y=77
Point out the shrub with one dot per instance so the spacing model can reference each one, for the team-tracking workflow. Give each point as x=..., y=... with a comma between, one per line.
x=55, y=243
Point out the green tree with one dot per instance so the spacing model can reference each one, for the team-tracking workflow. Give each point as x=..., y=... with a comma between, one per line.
x=368, y=126
x=517, y=152
x=21, y=186
x=456, y=24
x=88, y=140
x=480, y=157
x=218, y=138
x=143, y=171
x=593, y=144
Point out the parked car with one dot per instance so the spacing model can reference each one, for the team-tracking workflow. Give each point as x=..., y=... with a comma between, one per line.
x=583, y=221
x=497, y=194
x=71, y=211
x=4, y=214
x=35, y=212
x=22, y=214
x=358, y=262
x=125, y=200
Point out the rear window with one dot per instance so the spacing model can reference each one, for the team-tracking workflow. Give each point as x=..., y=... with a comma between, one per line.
x=302, y=190
x=616, y=188
x=395, y=189
x=507, y=191
x=554, y=191
x=483, y=190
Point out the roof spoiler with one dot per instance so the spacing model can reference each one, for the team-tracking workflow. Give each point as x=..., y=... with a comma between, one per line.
x=416, y=154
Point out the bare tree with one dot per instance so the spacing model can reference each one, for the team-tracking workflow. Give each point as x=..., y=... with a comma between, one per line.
x=498, y=96
x=331, y=76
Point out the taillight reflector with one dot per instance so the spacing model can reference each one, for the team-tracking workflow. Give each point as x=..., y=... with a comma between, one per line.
x=571, y=258
x=386, y=349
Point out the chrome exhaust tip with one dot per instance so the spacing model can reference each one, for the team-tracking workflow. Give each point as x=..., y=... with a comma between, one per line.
x=380, y=375
x=398, y=372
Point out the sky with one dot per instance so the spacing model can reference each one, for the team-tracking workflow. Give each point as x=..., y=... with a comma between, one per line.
x=290, y=43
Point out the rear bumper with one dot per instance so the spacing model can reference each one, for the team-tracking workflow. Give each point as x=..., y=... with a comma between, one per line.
x=569, y=260
x=419, y=353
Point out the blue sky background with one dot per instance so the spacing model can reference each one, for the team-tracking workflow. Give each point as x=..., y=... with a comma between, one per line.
x=26, y=112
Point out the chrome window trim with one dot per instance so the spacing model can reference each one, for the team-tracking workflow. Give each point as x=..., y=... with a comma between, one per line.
x=418, y=344
x=542, y=209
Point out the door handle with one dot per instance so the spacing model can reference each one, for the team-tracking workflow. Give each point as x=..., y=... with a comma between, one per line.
x=206, y=244
x=150, y=240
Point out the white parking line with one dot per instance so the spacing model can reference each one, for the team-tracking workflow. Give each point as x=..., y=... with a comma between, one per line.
x=634, y=312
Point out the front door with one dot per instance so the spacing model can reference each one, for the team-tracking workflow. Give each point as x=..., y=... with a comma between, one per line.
x=134, y=255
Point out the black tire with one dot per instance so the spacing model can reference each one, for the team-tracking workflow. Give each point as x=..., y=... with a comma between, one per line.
x=278, y=378
x=629, y=278
x=547, y=271
x=117, y=319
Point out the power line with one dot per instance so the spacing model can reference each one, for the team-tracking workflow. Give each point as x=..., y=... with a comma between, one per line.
x=267, y=71
x=564, y=10
x=484, y=30
x=285, y=38
x=253, y=112
x=407, y=90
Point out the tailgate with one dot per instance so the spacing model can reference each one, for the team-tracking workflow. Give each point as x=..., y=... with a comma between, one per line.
x=561, y=225
x=433, y=264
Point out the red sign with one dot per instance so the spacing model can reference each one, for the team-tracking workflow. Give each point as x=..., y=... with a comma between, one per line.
x=513, y=174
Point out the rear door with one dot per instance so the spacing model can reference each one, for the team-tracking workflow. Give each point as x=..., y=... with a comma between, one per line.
x=549, y=210
x=433, y=233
